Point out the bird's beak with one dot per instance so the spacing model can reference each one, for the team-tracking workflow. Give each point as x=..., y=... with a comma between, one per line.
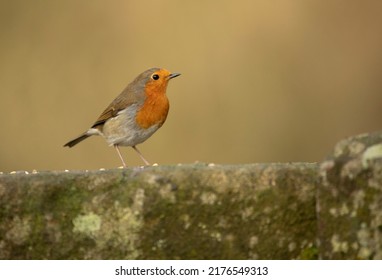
x=173, y=75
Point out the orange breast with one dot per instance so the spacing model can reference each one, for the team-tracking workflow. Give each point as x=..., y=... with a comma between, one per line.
x=154, y=111
x=155, y=108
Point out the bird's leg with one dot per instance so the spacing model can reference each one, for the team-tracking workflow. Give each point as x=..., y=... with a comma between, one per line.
x=120, y=156
x=140, y=154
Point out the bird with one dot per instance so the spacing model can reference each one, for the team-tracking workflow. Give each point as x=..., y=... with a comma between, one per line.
x=135, y=114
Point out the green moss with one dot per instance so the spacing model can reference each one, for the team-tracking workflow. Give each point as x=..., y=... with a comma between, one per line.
x=310, y=253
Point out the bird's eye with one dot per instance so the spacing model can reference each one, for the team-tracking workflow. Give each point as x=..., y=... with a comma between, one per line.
x=155, y=77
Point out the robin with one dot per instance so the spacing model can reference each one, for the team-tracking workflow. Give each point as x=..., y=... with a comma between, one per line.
x=132, y=117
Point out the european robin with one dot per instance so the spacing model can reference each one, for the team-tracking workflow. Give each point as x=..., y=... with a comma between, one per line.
x=132, y=117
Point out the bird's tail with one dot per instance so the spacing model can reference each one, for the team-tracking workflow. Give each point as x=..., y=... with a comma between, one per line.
x=77, y=140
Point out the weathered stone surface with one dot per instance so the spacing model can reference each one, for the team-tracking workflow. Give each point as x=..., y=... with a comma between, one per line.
x=350, y=200
x=259, y=211
x=331, y=210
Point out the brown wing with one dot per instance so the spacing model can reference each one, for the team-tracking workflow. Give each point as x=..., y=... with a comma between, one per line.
x=125, y=99
x=133, y=93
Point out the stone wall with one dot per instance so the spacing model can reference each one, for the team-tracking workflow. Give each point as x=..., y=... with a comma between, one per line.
x=328, y=210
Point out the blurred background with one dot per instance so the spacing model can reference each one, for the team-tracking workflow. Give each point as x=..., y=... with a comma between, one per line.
x=262, y=81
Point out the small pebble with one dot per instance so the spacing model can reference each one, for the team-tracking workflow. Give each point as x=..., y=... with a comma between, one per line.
x=211, y=164
x=155, y=164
